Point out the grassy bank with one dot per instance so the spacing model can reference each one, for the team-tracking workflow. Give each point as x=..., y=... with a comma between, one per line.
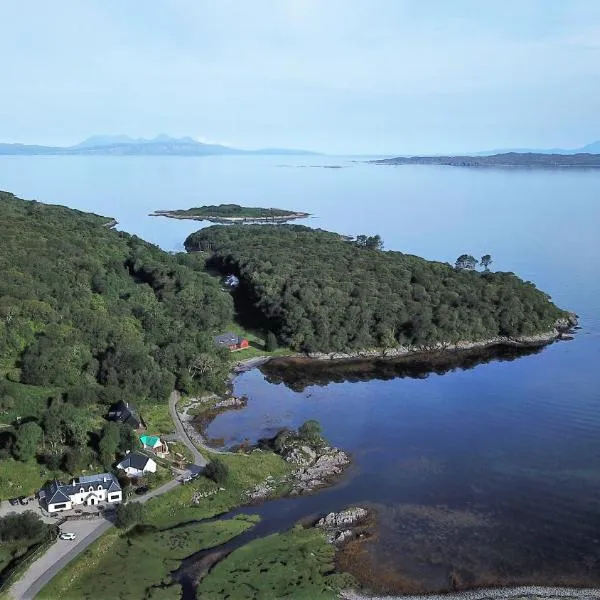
x=132, y=566
x=297, y=564
x=245, y=471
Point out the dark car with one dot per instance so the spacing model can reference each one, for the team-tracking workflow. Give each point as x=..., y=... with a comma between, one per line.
x=23, y=500
x=13, y=501
x=142, y=490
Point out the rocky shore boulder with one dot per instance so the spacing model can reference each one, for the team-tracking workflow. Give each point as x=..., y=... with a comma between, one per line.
x=339, y=527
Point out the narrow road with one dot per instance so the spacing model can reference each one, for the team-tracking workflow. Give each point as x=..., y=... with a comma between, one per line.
x=199, y=460
x=63, y=552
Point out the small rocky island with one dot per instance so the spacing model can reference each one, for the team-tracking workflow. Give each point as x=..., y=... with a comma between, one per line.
x=232, y=213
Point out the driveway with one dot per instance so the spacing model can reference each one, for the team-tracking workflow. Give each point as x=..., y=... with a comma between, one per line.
x=63, y=552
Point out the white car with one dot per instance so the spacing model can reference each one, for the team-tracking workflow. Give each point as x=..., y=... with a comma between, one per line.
x=67, y=536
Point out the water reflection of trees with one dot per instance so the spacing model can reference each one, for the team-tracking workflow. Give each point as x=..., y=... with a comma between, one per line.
x=299, y=373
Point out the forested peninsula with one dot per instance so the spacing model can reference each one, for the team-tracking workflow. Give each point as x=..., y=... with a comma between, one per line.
x=90, y=316
x=232, y=213
x=322, y=293
x=507, y=159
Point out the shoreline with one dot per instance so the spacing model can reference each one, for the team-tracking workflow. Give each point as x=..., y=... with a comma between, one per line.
x=531, y=592
x=230, y=220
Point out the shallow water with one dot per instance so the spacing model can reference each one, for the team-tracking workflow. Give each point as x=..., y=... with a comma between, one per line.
x=485, y=475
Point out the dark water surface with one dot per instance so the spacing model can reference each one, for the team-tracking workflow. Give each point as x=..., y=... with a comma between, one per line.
x=484, y=475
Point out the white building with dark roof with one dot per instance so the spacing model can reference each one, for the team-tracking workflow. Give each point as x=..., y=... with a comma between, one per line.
x=136, y=464
x=88, y=490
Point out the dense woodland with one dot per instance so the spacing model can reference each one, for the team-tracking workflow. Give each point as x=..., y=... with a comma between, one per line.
x=90, y=316
x=319, y=291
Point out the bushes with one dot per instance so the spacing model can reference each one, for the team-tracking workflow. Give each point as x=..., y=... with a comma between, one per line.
x=22, y=527
x=216, y=470
x=129, y=514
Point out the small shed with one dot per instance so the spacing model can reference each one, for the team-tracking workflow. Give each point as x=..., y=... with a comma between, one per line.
x=232, y=341
x=155, y=444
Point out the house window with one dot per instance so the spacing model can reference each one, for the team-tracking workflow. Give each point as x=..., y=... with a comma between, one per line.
x=81, y=490
x=114, y=496
x=99, y=487
x=59, y=506
x=91, y=488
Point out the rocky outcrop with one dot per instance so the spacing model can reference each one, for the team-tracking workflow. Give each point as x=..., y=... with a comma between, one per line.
x=317, y=468
x=262, y=491
x=340, y=527
x=232, y=402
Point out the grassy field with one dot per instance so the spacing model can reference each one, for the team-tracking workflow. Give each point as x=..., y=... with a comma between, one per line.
x=21, y=479
x=245, y=471
x=296, y=564
x=129, y=567
x=157, y=418
x=132, y=566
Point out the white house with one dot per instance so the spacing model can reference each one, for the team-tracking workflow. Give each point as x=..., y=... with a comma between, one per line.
x=88, y=490
x=136, y=465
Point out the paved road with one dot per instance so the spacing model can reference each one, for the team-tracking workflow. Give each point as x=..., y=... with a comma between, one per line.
x=199, y=460
x=62, y=551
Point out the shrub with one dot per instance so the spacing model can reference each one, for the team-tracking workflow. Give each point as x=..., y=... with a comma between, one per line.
x=129, y=515
x=216, y=470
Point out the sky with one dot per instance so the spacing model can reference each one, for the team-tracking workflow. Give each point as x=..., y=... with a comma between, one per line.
x=337, y=76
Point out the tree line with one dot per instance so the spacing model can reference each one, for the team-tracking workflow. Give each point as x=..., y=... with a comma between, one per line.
x=318, y=291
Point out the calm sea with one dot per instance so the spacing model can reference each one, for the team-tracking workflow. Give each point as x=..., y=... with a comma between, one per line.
x=481, y=476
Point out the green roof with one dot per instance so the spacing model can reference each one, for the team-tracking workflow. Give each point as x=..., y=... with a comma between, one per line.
x=149, y=440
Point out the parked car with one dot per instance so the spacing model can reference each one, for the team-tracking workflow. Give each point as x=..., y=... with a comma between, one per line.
x=141, y=490
x=13, y=501
x=23, y=500
x=67, y=536
x=187, y=479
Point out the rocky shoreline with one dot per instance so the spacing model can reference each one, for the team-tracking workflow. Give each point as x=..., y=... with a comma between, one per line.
x=561, y=328
x=516, y=593
x=342, y=526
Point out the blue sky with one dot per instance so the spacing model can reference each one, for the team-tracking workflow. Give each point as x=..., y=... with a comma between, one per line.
x=340, y=76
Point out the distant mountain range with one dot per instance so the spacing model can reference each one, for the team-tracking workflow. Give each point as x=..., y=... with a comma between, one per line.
x=123, y=145
x=593, y=148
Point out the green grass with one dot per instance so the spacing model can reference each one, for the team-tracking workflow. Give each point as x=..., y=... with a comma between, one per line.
x=21, y=479
x=29, y=400
x=129, y=566
x=257, y=345
x=157, y=418
x=245, y=471
x=296, y=564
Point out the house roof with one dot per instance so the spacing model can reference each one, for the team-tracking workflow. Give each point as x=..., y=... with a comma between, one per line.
x=125, y=413
x=150, y=440
x=55, y=495
x=135, y=460
x=58, y=492
x=228, y=339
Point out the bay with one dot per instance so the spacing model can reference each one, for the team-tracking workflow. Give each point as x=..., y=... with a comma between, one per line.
x=483, y=475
